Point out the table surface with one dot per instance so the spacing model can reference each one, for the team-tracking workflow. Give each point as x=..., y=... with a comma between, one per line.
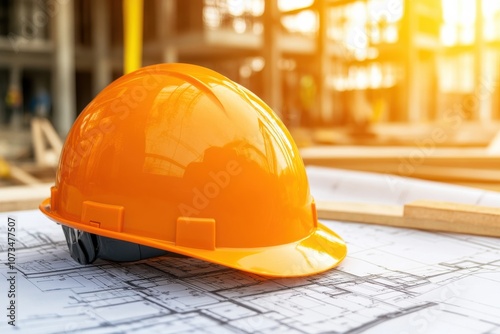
x=394, y=280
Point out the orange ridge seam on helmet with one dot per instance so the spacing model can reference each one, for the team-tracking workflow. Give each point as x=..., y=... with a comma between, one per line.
x=198, y=84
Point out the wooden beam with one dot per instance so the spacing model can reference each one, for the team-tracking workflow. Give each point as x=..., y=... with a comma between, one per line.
x=423, y=215
x=52, y=137
x=399, y=156
x=494, y=146
x=439, y=173
x=390, y=215
x=17, y=174
x=42, y=131
x=23, y=197
x=38, y=141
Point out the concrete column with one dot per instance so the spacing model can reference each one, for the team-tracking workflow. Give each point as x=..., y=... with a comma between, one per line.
x=15, y=75
x=272, y=55
x=15, y=89
x=166, y=29
x=64, y=66
x=411, y=63
x=325, y=100
x=101, y=72
x=482, y=89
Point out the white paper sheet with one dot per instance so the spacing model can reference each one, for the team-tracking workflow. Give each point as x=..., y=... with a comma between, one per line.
x=393, y=280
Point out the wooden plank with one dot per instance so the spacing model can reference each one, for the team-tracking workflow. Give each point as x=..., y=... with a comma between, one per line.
x=403, y=168
x=42, y=133
x=391, y=215
x=453, y=217
x=440, y=173
x=44, y=173
x=51, y=135
x=38, y=140
x=468, y=134
x=21, y=176
x=393, y=152
x=425, y=215
x=494, y=146
x=23, y=197
x=398, y=157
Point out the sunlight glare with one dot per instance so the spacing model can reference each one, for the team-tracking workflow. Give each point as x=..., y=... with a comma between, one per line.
x=287, y=5
x=305, y=22
x=236, y=7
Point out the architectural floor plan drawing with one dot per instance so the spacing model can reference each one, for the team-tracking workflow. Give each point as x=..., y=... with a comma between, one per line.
x=393, y=280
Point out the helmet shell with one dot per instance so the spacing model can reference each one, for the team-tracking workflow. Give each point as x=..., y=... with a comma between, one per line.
x=179, y=157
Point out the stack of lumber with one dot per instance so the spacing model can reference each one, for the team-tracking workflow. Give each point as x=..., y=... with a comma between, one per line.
x=423, y=215
x=465, y=134
x=27, y=184
x=26, y=197
x=479, y=167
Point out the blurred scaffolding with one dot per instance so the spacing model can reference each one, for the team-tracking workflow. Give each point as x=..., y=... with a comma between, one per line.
x=316, y=63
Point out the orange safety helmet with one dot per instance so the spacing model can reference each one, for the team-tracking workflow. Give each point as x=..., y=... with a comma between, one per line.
x=179, y=158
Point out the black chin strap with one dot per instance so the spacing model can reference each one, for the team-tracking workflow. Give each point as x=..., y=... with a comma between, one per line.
x=86, y=247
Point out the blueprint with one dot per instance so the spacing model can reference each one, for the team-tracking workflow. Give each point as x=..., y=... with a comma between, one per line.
x=394, y=280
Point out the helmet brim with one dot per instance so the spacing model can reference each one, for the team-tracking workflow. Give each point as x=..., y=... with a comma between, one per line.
x=321, y=250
